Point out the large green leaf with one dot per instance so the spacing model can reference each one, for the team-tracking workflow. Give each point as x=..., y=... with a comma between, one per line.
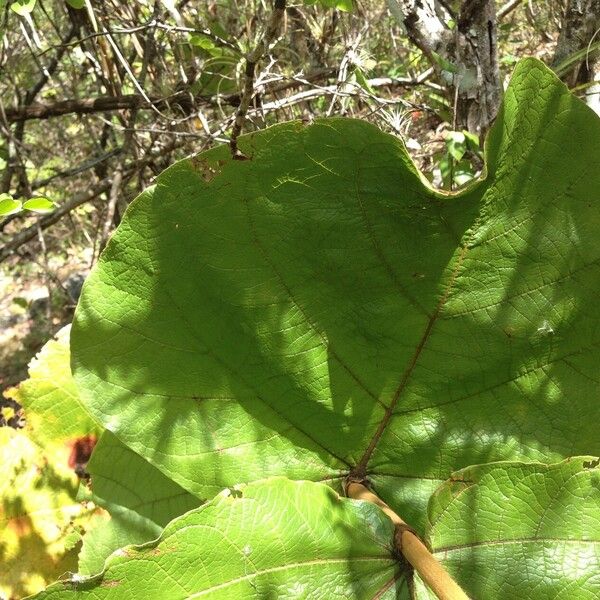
x=319, y=310
x=139, y=498
x=505, y=530
x=521, y=530
x=276, y=539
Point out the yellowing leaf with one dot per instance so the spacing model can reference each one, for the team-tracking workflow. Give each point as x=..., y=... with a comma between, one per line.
x=40, y=519
x=50, y=398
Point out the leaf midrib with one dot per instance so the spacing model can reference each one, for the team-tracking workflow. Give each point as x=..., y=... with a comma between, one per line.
x=361, y=468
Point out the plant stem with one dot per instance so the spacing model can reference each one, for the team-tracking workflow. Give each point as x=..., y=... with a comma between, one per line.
x=252, y=58
x=412, y=548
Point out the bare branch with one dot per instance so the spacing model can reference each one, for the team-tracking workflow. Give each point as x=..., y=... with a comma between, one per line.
x=505, y=10
x=107, y=103
x=219, y=41
x=26, y=235
x=253, y=57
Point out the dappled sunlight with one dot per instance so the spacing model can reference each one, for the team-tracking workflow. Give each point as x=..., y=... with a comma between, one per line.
x=359, y=324
x=260, y=327
x=40, y=519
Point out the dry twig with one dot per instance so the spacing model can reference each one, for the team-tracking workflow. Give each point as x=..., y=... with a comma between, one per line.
x=269, y=36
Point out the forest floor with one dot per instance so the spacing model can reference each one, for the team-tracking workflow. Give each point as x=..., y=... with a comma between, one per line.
x=34, y=305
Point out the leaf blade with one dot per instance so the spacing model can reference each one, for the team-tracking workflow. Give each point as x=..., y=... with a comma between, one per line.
x=141, y=501
x=335, y=314
x=254, y=545
x=542, y=540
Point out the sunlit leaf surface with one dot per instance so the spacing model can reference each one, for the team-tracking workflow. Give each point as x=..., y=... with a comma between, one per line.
x=319, y=310
x=521, y=530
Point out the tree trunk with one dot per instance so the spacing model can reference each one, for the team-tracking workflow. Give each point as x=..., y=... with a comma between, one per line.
x=479, y=91
x=466, y=56
x=581, y=23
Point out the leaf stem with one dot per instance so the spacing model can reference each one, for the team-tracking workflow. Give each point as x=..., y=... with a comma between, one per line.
x=412, y=548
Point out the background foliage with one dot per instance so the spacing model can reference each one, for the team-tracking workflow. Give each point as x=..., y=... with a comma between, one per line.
x=129, y=87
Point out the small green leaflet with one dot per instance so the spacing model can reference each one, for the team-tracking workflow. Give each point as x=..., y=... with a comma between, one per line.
x=8, y=205
x=23, y=7
x=345, y=5
x=39, y=205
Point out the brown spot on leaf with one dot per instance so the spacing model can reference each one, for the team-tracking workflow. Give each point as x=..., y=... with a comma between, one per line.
x=81, y=450
x=20, y=525
x=133, y=552
x=208, y=169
